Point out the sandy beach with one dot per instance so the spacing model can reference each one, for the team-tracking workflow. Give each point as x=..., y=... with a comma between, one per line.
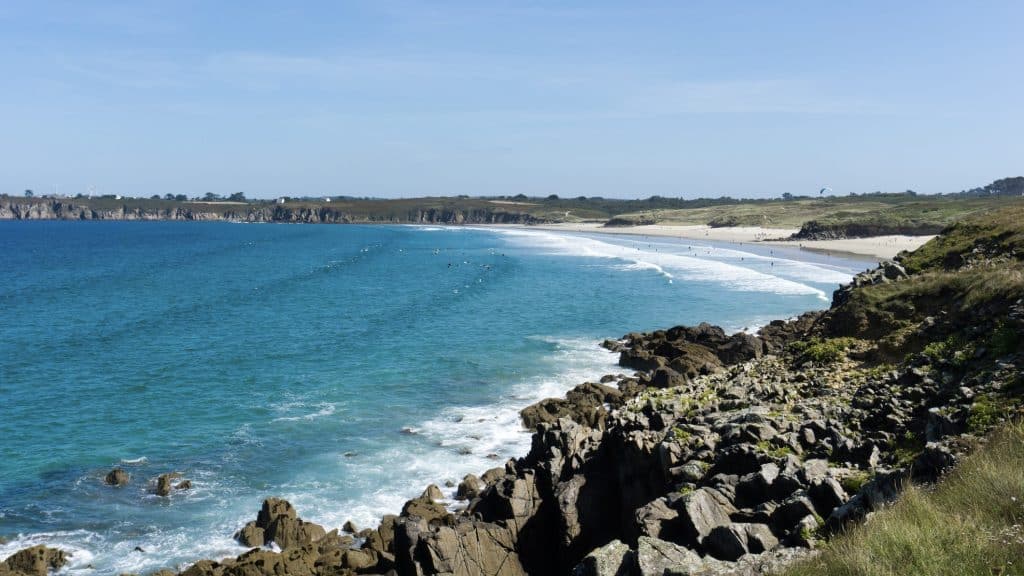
x=880, y=247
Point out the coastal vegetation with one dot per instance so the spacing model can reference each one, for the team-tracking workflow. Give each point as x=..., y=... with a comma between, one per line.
x=970, y=523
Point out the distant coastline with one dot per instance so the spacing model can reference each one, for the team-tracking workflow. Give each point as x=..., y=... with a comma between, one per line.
x=285, y=212
x=429, y=211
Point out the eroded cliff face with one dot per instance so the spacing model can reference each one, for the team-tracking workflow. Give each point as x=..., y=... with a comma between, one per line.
x=815, y=230
x=13, y=209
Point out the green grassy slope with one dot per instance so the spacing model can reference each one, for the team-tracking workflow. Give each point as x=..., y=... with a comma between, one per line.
x=969, y=524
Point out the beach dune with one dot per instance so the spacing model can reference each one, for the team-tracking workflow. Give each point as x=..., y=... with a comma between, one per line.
x=880, y=247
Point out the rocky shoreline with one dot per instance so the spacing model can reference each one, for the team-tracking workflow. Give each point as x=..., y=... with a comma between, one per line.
x=718, y=454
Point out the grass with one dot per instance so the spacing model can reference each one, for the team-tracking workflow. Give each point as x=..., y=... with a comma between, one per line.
x=987, y=411
x=970, y=523
x=992, y=232
x=953, y=349
x=877, y=311
x=907, y=447
x=925, y=213
x=822, y=351
x=1004, y=339
x=776, y=452
x=680, y=435
x=855, y=480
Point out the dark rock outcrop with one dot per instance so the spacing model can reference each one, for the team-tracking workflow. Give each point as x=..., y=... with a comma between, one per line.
x=584, y=404
x=34, y=561
x=819, y=230
x=278, y=522
x=165, y=484
x=686, y=351
x=117, y=477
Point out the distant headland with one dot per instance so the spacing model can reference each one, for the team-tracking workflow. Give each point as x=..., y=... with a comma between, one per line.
x=815, y=217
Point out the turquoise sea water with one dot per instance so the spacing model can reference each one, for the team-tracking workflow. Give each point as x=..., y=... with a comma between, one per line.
x=341, y=367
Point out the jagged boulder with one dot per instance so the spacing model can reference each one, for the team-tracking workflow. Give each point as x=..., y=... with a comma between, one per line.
x=584, y=404
x=425, y=508
x=326, y=556
x=251, y=535
x=35, y=561
x=657, y=558
x=657, y=519
x=612, y=559
x=735, y=540
x=791, y=511
x=272, y=509
x=827, y=495
x=433, y=493
x=701, y=511
x=207, y=568
x=513, y=499
x=287, y=532
x=469, y=488
x=278, y=522
x=469, y=548
x=740, y=347
x=756, y=487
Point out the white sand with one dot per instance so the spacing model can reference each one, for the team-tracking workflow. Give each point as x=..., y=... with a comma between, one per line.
x=881, y=247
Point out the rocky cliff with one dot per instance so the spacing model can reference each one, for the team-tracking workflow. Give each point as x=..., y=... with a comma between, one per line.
x=720, y=454
x=818, y=230
x=46, y=209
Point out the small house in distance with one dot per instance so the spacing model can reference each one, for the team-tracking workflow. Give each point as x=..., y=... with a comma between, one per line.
x=282, y=199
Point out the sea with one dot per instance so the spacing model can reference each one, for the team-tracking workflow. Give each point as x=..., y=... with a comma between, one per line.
x=342, y=367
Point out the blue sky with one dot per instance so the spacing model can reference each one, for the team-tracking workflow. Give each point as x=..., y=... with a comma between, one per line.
x=616, y=99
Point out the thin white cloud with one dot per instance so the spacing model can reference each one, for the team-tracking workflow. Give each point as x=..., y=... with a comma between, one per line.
x=741, y=97
x=126, y=70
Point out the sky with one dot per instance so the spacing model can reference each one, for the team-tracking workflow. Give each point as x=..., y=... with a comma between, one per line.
x=401, y=98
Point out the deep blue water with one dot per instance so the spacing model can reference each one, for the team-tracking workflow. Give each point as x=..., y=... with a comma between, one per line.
x=286, y=360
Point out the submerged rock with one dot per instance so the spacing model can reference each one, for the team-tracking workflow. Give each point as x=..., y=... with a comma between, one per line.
x=117, y=477
x=165, y=482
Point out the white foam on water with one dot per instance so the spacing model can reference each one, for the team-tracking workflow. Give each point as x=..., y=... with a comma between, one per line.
x=697, y=266
x=325, y=409
x=114, y=551
x=77, y=543
x=458, y=441
x=428, y=228
x=130, y=461
x=786, y=267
